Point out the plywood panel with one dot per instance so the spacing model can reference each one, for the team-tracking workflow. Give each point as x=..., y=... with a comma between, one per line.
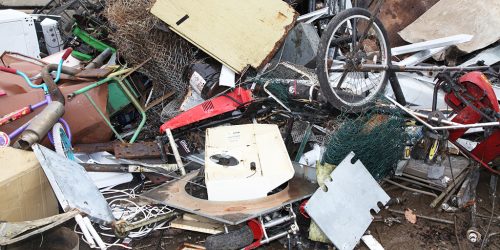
x=235, y=32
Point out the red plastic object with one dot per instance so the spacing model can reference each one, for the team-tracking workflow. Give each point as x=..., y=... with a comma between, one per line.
x=67, y=53
x=258, y=234
x=302, y=209
x=216, y=106
x=477, y=91
x=15, y=115
x=8, y=70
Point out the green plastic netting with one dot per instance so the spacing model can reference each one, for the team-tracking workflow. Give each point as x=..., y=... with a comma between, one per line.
x=376, y=137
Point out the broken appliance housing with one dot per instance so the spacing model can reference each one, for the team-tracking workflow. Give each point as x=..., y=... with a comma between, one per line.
x=245, y=161
x=18, y=33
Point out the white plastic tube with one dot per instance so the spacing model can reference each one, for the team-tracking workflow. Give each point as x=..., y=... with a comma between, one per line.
x=85, y=231
x=94, y=233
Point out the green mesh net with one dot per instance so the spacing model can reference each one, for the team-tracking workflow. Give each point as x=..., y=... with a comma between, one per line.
x=377, y=138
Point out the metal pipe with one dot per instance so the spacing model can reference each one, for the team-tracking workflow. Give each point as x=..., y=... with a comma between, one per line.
x=450, y=188
x=424, y=217
x=89, y=87
x=103, y=116
x=99, y=60
x=40, y=125
x=418, y=183
x=129, y=95
x=278, y=221
x=136, y=104
x=54, y=91
x=277, y=236
x=410, y=189
x=460, y=126
x=175, y=151
x=434, y=95
x=402, y=68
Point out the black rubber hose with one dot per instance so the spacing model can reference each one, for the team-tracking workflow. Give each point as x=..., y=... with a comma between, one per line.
x=396, y=88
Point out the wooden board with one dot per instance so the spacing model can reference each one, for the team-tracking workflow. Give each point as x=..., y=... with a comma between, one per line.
x=235, y=32
x=197, y=223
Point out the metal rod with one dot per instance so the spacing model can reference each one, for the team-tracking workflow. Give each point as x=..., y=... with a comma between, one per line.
x=424, y=217
x=278, y=221
x=277, y=236
x=136, y=104
x=459, y=126
x=410, y=189
x=402, y=68
x=450, y=188
x=418, y=183
x=175, y=151
x=103, y=117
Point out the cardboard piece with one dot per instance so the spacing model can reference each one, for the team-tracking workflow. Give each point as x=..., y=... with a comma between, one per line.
x=26, y=193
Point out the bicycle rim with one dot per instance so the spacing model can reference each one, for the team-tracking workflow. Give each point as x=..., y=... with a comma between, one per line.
x=351, y=87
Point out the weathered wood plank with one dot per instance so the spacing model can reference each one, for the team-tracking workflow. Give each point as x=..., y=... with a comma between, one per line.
x=237, y=33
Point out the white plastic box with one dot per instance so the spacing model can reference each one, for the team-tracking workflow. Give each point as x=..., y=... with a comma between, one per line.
x=254, y=161
x=18, y=34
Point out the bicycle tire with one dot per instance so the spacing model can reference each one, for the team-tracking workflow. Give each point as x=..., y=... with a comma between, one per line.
x=62, y=145
x=236, y=239
x=322, y=69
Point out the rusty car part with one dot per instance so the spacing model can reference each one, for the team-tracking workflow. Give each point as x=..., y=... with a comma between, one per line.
x=138, y=150
x=95, y=147
x=174, y=194
x=40, y=125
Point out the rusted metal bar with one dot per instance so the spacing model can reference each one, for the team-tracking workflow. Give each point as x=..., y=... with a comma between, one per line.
x=140, y=150
x=424, y=217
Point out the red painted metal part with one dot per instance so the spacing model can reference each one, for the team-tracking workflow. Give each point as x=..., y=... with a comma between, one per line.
x=8, y=70
x=15, y=115
x=210, y=108
x=258, y=234
x=67, y=53
x=302, y=209
x=477, y=90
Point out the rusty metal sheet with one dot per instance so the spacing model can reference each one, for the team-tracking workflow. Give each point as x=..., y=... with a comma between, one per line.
x=234, y=212
x=397, y=14
x=140, y=150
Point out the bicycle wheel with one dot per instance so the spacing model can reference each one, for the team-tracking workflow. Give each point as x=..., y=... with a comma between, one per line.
x=62, y=144
x=348, y=42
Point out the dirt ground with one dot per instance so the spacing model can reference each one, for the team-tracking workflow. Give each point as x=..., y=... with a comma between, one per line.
x=424, y=234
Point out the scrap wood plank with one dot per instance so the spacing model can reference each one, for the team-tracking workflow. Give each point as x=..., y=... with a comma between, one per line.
x=236, y=33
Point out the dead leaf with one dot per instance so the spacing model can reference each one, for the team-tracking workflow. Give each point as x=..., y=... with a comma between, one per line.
x=410, y=216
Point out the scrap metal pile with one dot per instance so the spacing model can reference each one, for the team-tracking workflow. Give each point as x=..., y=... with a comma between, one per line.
x=249, y=124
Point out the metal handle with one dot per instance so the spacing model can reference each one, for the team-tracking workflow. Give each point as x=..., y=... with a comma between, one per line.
x=67, y=53
x=8, y=70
